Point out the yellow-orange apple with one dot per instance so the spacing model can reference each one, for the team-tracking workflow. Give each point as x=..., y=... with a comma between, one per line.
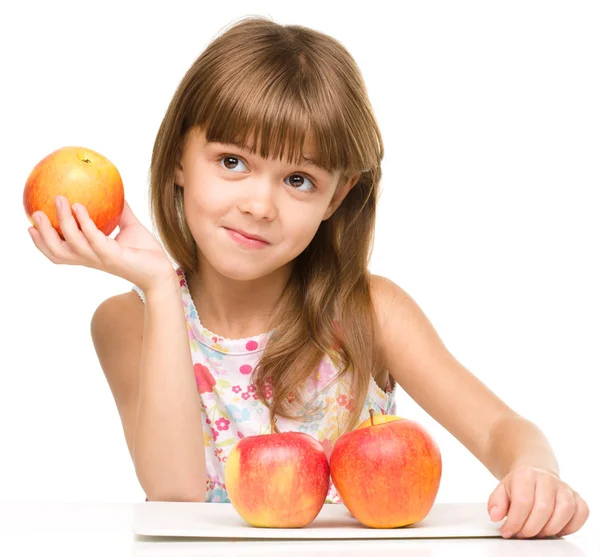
x=82, y=176
x=277, y=480
x=387, y=471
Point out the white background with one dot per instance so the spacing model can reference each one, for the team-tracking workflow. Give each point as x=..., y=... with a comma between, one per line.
x=488, y=218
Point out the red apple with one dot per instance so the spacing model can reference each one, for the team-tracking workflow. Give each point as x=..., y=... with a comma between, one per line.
x=277, y=480
x=387, y=471
x=82, y=176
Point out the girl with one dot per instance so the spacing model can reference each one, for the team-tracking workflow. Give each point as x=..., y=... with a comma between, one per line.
x=264, y=181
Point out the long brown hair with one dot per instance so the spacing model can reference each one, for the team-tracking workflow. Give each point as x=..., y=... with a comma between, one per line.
x=284, y=83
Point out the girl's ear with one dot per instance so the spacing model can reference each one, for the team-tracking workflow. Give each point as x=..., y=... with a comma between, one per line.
x=340, y=195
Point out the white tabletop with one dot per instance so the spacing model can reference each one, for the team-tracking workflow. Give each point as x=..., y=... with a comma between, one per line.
x=44, y=528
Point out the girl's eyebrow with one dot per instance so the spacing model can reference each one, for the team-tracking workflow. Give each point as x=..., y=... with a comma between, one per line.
x=309, y=161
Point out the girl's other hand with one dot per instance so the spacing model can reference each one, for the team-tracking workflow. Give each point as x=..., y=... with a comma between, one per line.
x=536, y=503
x=134, y=254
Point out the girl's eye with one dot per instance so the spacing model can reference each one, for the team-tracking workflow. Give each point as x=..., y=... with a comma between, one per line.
x=230, y=158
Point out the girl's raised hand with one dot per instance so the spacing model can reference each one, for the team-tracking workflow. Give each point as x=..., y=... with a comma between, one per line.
x=134, y=254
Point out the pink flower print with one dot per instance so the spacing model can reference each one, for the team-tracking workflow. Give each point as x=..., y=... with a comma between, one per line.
x=255, y=396
x=215, y=433
x=341, y=400
x=240, y=435
x=204, y=379
x=181, y=282
x=246, y=369
x=236, y=389
x=251, y=388
x=326, y=372
x=208, y=421
x=245, y=396
x=350, y=404
x=222, y=424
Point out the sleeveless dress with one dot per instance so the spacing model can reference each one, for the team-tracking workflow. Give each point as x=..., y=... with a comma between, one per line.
x=231, y=409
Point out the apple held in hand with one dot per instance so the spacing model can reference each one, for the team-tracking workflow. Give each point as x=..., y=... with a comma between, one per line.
x=277, y=480
x=387, y=471
x=82, y=176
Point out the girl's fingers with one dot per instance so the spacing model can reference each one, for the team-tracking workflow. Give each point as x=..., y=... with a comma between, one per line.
x=522, y=493
x=56, y=249
x=582, y=512
x=74, y=237
x=564, y=510
x=98, y=241
x=39, y=243
x=544, y=504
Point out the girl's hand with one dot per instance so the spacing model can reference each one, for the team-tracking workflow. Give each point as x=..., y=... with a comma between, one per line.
x=538, y=504
x=134, y=254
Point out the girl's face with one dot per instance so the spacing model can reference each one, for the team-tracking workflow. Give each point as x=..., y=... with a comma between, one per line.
x=226, y=188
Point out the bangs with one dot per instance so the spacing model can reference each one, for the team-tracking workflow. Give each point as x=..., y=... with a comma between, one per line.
x=278, y=112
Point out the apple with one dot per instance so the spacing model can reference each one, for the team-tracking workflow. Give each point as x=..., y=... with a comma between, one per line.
x=82, y=176
x=277, y=480
x=387, y=471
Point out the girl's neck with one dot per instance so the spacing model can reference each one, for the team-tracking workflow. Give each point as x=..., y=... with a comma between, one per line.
x=232, y=308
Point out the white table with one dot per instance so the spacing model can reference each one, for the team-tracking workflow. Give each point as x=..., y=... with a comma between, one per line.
x=76, y=529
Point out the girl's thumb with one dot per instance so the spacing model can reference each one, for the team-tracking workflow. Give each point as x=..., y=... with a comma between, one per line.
x=498, y=503
x=127, y=217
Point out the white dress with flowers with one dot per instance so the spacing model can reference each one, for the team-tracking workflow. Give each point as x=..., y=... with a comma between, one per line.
x=231, y=409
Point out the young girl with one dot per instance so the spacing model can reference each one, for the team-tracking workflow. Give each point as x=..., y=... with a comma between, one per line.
x=260, y=313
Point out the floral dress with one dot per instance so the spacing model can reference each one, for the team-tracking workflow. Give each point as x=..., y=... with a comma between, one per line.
x=231, y=409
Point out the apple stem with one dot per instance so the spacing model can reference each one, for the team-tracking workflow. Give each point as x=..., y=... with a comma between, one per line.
x=372, y=413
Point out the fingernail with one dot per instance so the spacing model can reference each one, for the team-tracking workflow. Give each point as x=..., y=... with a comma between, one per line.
x=36, y=218
x=506, y=534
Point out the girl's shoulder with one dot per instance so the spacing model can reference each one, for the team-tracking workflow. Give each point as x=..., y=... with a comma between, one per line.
x=119, y=308
x=117, y=322
x=386, y=295
x=384, y=291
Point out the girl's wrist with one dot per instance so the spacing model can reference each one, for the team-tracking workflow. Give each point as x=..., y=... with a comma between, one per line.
x=163, y=287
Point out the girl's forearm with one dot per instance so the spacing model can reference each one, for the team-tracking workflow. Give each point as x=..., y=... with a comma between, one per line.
x=168, y=447
x=518, y=442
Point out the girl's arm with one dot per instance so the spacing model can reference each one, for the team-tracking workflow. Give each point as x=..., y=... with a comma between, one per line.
x=416, y=357
x=535, y=501
x=143, y=350
x=145, y=354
